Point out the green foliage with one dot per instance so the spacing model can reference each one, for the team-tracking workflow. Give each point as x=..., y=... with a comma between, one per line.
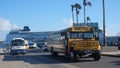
x=77, y=6
x=72, y=7
x=86, y=3
x=88, y=18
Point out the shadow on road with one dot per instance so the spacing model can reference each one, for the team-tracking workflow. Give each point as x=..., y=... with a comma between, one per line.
x=116, y=62
x=42, y=58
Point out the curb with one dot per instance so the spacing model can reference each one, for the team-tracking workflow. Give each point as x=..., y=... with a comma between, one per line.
x=110, y=55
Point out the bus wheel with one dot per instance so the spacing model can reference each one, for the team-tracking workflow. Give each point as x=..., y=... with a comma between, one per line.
x=53, y=53
x=72, y=55
x=96, y=56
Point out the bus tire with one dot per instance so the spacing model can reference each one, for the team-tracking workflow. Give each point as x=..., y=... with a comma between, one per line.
x=96, y=56
x=72, y=55
x=53, y=53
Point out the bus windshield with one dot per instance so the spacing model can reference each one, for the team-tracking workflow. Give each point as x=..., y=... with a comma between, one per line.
x=17, y=43
x=78, y=35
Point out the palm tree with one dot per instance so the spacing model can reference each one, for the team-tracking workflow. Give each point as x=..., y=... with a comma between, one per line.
x=88, y=18
x=85, y=4
x=78, y=7
x=73, y=13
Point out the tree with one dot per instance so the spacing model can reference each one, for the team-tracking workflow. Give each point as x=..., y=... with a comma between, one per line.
x=78, y=7
x=85, y=3
x=88, y=18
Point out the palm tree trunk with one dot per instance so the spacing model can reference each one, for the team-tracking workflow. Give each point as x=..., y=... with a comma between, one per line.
x=77, y=19
x=73, y=17
x=77, y=16
x=84, y=14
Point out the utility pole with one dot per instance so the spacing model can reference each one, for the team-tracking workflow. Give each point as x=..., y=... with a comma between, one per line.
x=104, y=32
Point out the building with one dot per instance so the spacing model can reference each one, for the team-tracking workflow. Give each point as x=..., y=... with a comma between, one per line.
x=112, y=40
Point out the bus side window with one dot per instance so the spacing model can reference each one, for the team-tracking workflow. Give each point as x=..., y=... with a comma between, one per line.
x=68, y=35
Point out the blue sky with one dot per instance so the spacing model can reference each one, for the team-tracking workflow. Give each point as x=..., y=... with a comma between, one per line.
x=52, y=15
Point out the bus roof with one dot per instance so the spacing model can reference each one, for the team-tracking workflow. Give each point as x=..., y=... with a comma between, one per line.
x=78, y=29
x=75, y=29
x=18, y=39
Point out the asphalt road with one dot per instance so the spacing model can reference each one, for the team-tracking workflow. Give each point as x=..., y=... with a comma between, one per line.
x=38, y=59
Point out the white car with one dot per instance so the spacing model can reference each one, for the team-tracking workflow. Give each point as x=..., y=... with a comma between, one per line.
x=45, y=48
x=32, y=45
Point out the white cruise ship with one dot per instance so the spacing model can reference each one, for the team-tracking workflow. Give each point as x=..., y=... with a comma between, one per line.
x=26, y=34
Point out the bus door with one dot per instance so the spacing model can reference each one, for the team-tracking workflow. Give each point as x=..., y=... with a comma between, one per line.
x=67, y=37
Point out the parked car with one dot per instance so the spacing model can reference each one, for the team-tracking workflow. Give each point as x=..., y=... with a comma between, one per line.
x=32, y=45
x=45, y=48
x=40, y=44
x=118, y=45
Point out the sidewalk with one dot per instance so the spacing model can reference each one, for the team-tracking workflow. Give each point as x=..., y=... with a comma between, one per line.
x=110, y=51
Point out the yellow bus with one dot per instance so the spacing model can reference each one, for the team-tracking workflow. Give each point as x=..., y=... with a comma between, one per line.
x=75, y=42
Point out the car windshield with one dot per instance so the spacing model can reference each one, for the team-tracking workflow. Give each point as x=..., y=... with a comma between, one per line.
x=31, y=43
x=18, y=43
x=85, y=35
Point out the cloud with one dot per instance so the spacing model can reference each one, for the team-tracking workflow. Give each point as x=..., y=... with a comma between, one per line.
x=68, y=22
x=5, y=25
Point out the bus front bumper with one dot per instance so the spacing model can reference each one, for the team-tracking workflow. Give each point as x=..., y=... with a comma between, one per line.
x=87, y=52
x=17, y=51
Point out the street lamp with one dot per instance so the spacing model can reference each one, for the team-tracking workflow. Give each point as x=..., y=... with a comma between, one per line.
x=104, y=32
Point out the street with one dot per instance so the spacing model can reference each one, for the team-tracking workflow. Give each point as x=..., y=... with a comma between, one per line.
x=36, y=58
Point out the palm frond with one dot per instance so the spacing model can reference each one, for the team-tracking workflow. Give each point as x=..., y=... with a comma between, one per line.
x=88, y=18
x=89, y=3
x=78, y=6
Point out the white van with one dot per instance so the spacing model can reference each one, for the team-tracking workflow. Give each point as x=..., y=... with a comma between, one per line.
x=18, y=46
x=32, y=45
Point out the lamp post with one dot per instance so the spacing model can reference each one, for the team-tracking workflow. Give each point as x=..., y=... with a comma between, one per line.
x=104, y=32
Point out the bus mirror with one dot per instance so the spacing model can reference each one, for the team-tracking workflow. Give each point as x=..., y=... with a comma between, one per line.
x=25, y=44
x=96, y=37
